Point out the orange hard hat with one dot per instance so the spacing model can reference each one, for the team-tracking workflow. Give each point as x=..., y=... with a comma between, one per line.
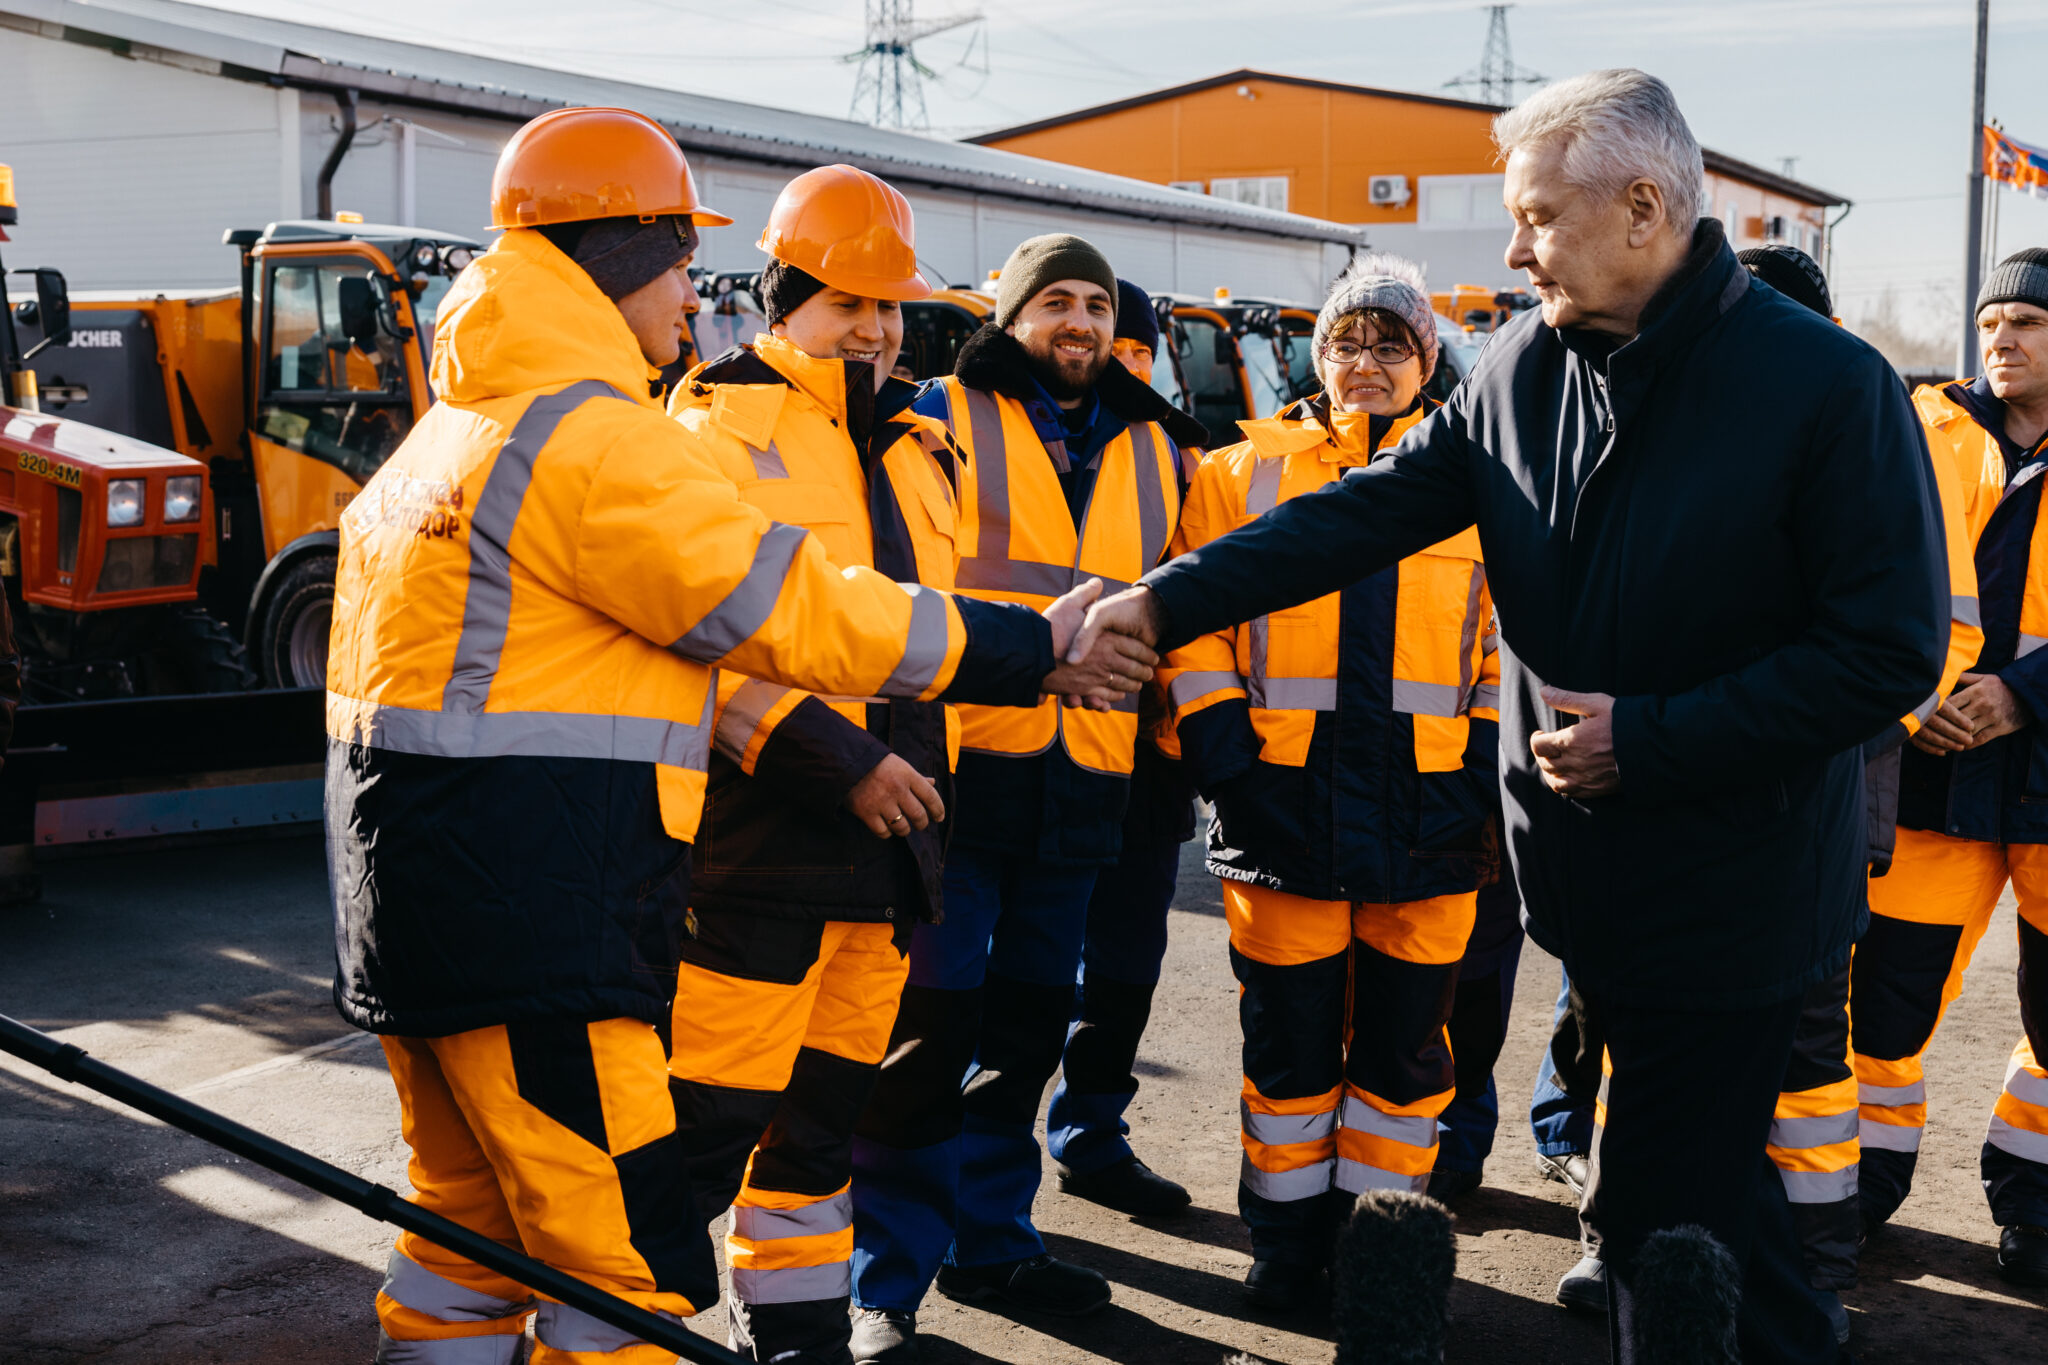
x=849, y=229
x=570, y=165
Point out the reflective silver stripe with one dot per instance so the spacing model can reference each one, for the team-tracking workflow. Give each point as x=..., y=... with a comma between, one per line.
x=1927, y=708
x=1152, y=531
x=747, y=607
x=1468, y=634
x=1490, y=643
x=2024, y=1086
x=2030, y=643
x=1281, y=1130
x=1818, y=1131
x=924, y=645
x=1889, y=1095
x=1820, y=1187
x=1355, y=1177
x=487, y=606
x=991, y=471
x=1414, y=1130
x=744, y=711
x=1192, y=686
x=751, y=1223
x=1024, y=576
x=1299, y=694
x=2027, y=1146
x=1485, y=696
x=768, y=463
x=408, y=1282
x=535, y=734
x=795, y=1284
x=1284, y=1187
x=562, y=1328
x=1261, y=497
x=1890, y=1137
x=1264, y=492
x=494, y=1348
x=1428, y=699
x=1964, y=609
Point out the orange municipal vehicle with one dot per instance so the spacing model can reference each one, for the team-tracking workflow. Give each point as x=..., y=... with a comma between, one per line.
x=1477, y=309
x=289, y=390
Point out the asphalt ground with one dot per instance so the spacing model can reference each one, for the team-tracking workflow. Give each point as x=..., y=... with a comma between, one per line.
x=206, y=970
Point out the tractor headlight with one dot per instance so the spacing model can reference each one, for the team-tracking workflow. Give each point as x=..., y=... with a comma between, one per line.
x=124, y=502
x=181, y=498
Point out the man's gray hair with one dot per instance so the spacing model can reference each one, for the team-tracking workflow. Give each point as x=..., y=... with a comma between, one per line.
x=1616, y=127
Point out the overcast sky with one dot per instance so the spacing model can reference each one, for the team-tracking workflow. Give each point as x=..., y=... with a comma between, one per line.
x=1871, y=96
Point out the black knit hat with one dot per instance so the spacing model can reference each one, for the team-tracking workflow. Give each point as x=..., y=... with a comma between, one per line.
x=1135, y=320
x=2020, y=278
x=622, y=255
x=1792, y=273
x=785, y=288
x=1041, y=261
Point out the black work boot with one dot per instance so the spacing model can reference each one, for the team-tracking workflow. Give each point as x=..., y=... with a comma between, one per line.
x=1444, y=1186
x=1284, y=1286
x=1568, y=1170
x=1130, y=1186
x=1584, y=1287
x=882, y=1336
x=2023, y=1254
x=811, y=1332
x=1037, y=1284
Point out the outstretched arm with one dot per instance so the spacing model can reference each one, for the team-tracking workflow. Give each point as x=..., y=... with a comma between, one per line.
x=1310, y=546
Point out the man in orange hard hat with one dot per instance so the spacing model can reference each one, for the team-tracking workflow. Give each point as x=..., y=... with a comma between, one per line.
x=822, y=851
x=534, y=597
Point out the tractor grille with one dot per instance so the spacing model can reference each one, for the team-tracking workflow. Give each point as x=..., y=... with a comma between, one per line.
x=135, y=562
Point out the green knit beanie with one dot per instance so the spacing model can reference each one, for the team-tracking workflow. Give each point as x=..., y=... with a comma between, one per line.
x=1048, y=260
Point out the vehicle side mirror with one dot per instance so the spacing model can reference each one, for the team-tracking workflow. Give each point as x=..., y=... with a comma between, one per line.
x=358, y=302
x=53, y=308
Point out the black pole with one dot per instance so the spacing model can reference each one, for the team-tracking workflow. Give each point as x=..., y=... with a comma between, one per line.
x=71, y=1063
x=324, y=188
x=1973, y=255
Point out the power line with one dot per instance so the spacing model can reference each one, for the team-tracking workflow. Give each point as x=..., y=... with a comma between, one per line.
x=1496, y=76
x=891, y=79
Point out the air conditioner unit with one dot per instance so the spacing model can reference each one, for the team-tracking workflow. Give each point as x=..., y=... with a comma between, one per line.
x=1387, y=191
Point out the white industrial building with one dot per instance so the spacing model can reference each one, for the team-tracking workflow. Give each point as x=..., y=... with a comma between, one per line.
x=140, y=129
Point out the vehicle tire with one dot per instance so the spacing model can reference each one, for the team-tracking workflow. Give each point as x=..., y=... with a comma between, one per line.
x=208, y=654
x=291, y=642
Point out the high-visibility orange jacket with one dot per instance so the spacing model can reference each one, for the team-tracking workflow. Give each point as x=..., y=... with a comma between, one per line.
x=1052, y=507
x=531, y=598
x=811, y=444
x=1998, y=571
x=1349, y=742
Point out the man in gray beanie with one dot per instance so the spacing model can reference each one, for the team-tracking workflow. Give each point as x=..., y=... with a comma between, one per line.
x=1969, y=814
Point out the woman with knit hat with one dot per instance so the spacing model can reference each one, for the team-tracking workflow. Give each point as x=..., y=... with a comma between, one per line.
x=1349, y=747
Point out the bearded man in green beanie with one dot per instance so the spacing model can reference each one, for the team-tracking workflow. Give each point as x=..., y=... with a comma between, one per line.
x=1073, y=473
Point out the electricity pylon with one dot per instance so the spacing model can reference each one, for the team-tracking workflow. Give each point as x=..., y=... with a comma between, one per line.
x=890, y=86
x=1496, y=76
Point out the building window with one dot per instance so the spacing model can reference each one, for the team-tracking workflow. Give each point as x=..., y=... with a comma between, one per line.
x=1460, y=201
x=1266, y=191
x=1731, y=220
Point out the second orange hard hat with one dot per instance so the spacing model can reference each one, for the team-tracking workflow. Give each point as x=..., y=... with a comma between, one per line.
x=850, y=229
x=571, y=165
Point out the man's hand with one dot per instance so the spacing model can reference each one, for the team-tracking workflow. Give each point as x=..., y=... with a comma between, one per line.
x=1947, y=731
x=1578, y=761
x=1104, y=669
x=1989, y=707
x=1134, y=612
x=894, y=798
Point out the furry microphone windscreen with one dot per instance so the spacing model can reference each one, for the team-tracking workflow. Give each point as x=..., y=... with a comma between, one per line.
x=1686, y=1289
x=1391, y=1280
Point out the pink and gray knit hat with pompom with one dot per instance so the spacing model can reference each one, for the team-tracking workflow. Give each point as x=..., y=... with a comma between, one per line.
x=1379, y=280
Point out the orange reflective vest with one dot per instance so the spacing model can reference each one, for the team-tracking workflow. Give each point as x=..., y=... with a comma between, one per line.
x=1018, y=544
x=1969, y=470
x=1444, y=670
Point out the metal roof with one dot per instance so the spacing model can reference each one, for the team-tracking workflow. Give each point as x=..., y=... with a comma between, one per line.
x=1715, y=161
x=251, y=47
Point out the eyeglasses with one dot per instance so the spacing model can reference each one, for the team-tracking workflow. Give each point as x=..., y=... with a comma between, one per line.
x=1384, y=352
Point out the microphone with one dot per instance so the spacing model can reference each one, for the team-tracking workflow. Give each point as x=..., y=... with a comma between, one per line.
x=1391, y=1280
x=1686, y=1289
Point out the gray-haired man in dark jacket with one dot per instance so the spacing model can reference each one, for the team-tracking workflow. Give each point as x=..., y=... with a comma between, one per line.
x=1715, y=546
